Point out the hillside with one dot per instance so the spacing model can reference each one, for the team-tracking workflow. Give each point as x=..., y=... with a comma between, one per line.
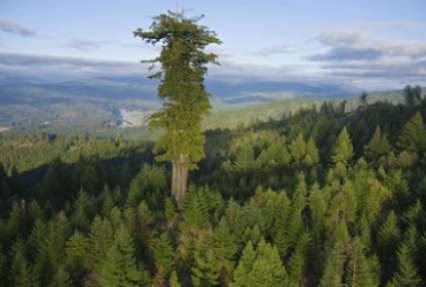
x=120, y=106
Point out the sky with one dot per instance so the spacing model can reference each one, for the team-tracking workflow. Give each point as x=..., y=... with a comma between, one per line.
x=375, y=44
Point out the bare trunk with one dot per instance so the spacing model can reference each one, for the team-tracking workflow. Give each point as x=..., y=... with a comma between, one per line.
x=179, y=179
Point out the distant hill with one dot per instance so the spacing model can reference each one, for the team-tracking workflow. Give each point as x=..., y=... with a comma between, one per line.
x=118, y=105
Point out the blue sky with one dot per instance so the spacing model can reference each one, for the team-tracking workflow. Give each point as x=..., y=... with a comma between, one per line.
x=369, y=44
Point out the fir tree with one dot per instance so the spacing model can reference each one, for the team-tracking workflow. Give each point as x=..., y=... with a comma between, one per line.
x=61, y=279
x=298, y=261
x=163, y=254
x=99, y=241
x=268, y=269
x=225, y=247
x=406, y=275
x=298, y=148
x=362, y=271
x=342, y=149
x=336, y=257
x=378, y=145
x=20, y=273
x=174, y=281
x=245, y=265
x=412, y=137
x=119, y=268
x=388, y=238
x=312, y=154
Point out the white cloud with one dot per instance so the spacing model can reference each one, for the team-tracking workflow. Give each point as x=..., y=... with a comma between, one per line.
x=16, y=29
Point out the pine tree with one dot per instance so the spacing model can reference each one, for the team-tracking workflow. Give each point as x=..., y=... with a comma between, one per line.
x=298, y=148
x=406, y=275
x=82, y=208
x=225, y=247
x=298, y=260
x=99, y=241
x=119, y=268
x=362, y=271
x=312, y=154
x=412, y=137
x=61, y=279
x=268, y=269
x=245, y=159
x=205, y=270
x=245, y=265
x=318, y=206
x=163, y=254
x=335, y=259
x=20, y=273
x=77, y=250
x=174, y=281
x=378, y=145
x=388, y=237
x=183, y=67
x=342, y=149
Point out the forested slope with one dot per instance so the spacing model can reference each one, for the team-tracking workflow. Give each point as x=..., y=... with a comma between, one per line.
x=323, y=197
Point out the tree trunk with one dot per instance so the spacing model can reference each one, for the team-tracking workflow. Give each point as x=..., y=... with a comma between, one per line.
x=179, y=178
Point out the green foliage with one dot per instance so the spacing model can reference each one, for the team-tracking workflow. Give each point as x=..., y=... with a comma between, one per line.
x=183, y=66
x=119, y=268
x=20, y=269
x=163, y=254
x=343, y=149
x=363, y=271
x=279, y=215
x=412, y=137
x=378, y=146
x=406, y=274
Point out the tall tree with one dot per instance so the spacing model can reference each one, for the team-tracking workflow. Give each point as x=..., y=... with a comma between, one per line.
x=413, y=135
x=120, y=269
x=183, y=67
x=343, y=149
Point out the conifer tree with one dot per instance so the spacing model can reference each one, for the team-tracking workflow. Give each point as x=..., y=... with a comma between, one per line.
x=378, y=145
x=225, y=247
x=205, y=270
x=388, y=237
x=268, y=269
x=362, y=271
x=342, y=149
x=99, y=241
x=163, y=254
x=312, y=154
x=299, y=202
x=76, y=250
x=298, y=261
x=245, y=159
x=119, y=268
x=20, y=273
x=61, y=278
x=245, y=265
x=335, y=259
x=406, y=275
x=183, y=67
x=174, y=281
x=298, y=148
x=318, y=206
x=412, y=137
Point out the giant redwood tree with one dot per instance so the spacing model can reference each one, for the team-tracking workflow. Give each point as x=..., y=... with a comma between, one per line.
x=183, y=62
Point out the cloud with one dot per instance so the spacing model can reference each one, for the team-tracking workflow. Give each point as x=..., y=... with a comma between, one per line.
x=359, y=46
x=85, y=45
x=14, y=28
x=273, y=50
x=360, y=59
x=65, y=68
